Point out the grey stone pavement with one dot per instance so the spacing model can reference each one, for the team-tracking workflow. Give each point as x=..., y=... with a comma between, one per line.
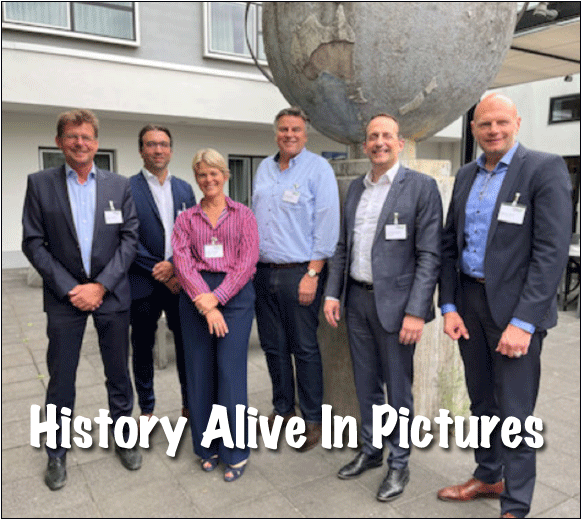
x=281, y=483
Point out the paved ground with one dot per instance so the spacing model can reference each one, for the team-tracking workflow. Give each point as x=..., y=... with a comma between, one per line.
x=279, y=483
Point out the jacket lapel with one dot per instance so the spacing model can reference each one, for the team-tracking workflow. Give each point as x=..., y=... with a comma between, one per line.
x=462, y=204
x=62, y=195
x=390, y=202
x=351, y=208
x=147, y=194
x=508, y=185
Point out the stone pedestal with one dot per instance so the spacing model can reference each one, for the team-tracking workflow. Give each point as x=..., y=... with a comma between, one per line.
x=438, y=368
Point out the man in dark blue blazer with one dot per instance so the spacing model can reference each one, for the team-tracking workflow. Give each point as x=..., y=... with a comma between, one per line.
x=159, y=199
x=505, y=246
x=80, y=234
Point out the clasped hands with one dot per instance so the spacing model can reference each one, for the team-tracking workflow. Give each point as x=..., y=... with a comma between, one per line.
x=410, y=333
x=514, y=341
x=87, y=297
x=207, y=305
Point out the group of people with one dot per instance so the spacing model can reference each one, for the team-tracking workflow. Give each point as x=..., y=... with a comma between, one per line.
x=124, y=250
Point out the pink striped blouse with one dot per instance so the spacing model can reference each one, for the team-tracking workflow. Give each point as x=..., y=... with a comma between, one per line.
x=236, y=230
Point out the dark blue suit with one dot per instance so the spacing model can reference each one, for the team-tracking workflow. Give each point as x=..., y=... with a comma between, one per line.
x=51, y=245
x=150, y=297
x=523, y=266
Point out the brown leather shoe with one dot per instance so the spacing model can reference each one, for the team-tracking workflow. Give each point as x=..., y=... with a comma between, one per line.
x=471, y=490
x=312, y=435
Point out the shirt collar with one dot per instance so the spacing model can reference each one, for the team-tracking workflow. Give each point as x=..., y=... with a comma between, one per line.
x=149, y=176
x=229, y=205
x=70, y=172
x=506, y=159
x=293, y=161
x=386, y=178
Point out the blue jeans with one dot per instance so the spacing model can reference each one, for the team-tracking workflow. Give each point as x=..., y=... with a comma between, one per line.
x=287, y=328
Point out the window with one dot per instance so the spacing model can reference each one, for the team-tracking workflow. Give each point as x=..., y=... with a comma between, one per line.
x=564, y=109
x=225, y=31
x=53, y=157
x=109, y=21
x=242, y=173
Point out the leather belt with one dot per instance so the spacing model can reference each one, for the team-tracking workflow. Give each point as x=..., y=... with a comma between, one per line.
x=283, y=266
x=472, y=279
x=363, y=285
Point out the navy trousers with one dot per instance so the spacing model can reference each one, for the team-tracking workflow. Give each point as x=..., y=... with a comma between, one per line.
x=378, y=358
x=285, y=329
x=65, y=329
x=503, y=387
x=216, y=368
x=145, y=314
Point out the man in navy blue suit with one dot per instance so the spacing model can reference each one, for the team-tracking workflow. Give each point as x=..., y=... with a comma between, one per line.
x=505, y=246
x=159, y=199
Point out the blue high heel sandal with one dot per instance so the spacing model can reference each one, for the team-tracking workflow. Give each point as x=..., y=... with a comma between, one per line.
x=209, y=464
x=235, y=473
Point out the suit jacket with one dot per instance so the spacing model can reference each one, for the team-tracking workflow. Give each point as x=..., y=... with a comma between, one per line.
x=523, y=263
x=50, y=239
x=405, y=272
x=151, y=243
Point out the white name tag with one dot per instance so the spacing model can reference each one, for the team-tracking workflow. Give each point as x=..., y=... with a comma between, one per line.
x=291, y=196
x=511, y=213
x=396, y=232
x=213, y=251
x=113, y=216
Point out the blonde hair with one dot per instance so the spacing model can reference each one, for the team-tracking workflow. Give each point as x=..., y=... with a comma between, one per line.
x=212, y=158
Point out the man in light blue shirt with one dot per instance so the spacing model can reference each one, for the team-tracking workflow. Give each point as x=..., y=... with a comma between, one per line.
x=296, y=203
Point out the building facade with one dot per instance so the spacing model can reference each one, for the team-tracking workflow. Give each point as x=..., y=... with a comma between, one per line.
x=181, y=64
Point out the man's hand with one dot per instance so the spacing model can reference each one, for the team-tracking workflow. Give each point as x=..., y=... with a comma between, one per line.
x=455, y=326
x=163, y=271
x=206, y=302
x=411, y=330
x=87, y=297
x=216, y=323
x=331, y=309
x=174, y=285
x=307, y=289
x=514, y=342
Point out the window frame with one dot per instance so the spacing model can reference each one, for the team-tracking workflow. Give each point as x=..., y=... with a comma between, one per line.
x=553, y=102
x=225, y=55
x=69, y=32
x=110, y=154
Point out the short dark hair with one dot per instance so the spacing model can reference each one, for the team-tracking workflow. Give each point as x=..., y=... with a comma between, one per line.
x=77, y=117
x=149, y=128
x=383, y=114
x=291, y=111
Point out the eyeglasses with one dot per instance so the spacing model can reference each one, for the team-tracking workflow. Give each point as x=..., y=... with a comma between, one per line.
x=75, y=137
x=153, y=144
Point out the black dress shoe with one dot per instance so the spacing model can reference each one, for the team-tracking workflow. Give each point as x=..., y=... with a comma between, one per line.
x=56, y=473
x=130, y=457
x=361, y=463
x=393, y=484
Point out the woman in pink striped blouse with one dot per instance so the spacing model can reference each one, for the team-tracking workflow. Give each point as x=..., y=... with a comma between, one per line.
x=216, y=248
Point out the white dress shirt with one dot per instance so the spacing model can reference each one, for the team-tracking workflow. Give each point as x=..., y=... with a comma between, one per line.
x=366, y=223
x=162, y=194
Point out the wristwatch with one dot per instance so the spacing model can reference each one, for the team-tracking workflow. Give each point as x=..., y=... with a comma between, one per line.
x=312, y=273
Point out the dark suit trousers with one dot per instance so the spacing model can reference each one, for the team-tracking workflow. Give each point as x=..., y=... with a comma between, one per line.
x=504, y=387
x=65, y=330
x=378, y=358
x=145, y=314
x=216, y=368
x=287, y=329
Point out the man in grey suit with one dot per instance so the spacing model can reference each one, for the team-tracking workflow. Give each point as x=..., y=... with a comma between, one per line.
x=384, y=273
x=505, y=246
x=80, y=234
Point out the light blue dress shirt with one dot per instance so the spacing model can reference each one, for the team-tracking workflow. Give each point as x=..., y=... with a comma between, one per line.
x=83, y=202
x=297, y=209
x=478, y=215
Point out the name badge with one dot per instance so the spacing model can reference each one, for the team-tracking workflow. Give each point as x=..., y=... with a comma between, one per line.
x=112, y=215
x=395, y=231
x=291, y=196
x=214, y=250
x=513, y=213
